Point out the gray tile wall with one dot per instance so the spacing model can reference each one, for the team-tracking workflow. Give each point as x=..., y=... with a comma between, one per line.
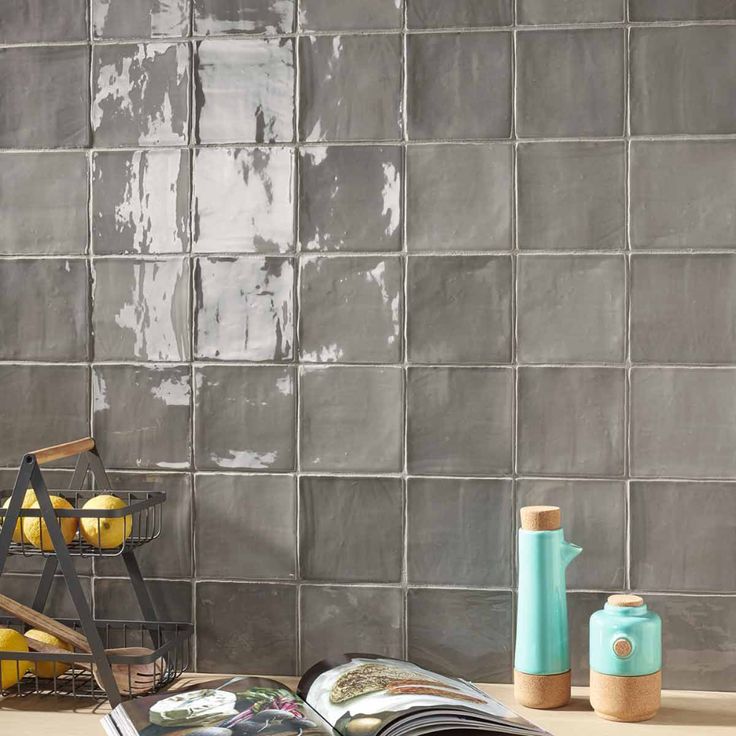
x=353, y=281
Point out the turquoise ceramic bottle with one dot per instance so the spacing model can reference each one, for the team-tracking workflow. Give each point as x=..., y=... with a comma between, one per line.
x=542, y=656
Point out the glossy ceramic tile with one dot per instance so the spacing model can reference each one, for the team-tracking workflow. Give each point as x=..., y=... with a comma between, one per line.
x=114, y=599
x=244, y=417
x=466, y=633
x=243, y=16
x=571, y=421
x=350, y=198
x=29, y=21
x=140, y=202
x=682, y=309
x=243, y=200
x=141, y=415
x=594, y=517
x=458, y=14
x=543, y=12
x=350, y=309
x=244, y=308
x=459, y=532
x=336, y=619
x=571, y=196
x=139, y=18
x=444, y=211
x=571, y=309
x=570, y=83
x=682, y=422
x=681, y=194
x=140, y=94
x=343, y=15
x=41, y=405
x=459, y=309
x=141, y=309
x=369, y=510
x=459, y=420
x=56, y=114
x=350, y=88
x=439, y=107
x=580, y=607
x=351, y=419
x=266, y=531
x=652, y=10
x=44, y=305
x=22, y=588
x=683, y=80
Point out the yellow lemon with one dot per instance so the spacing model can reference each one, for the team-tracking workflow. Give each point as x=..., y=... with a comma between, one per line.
x=28, y=501
x=36, y=531
x=48, y=670
x=12, y=670
x=106, y=533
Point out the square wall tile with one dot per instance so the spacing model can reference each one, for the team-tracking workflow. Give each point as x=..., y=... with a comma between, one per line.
x=351, y=419
x=683, y=80
x=246, y=622
x=443, y=212
x=27, y=21
x=459, y=420
x=243, y=16
x=459, y=309
x=139, y=18
x=141, y=415
x=244, y=91
x=439, y=106
x=350, y=88
x=571, y=421
x=580, y=607
x=41, y=405
x=43, y=304
x=350, y=198
x=245, y=417
x=265, y=534
x=114, y=599
x=56, y=115
x=651, y=10
x=665, y=511
x=459, y=531
x=683, y=422
x=140, y=202
x=682, y=194
x=243, y=200
x=572, y=196
x=43, y=203
x=462, y=633
x=683, y=308
x=369, y=513
x=570, y=83
x=244, y=308
x=458, y=14
x=141, y=309
x=22, y=588
x=337, y=618
x=594, y=513
x=344, y=15
x=140, y=94
x=571, y=309
x=548, y=12
x=350, y=309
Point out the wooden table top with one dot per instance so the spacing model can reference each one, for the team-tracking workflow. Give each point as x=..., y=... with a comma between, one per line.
x=701, y=713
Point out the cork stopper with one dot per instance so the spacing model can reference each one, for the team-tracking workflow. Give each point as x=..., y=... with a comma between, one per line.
x=625, y=601
x=540, y=518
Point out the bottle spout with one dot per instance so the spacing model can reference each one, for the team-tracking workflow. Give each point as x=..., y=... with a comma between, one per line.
x=569, y=552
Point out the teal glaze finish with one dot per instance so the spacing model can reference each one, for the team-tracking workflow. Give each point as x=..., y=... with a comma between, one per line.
x=541, y=626
x=640, y=626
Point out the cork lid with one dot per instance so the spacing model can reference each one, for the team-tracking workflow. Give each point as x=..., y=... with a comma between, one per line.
x=625, y=601
x=540, y=518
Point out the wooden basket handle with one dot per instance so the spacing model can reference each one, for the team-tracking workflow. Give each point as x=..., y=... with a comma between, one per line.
x=65, y=449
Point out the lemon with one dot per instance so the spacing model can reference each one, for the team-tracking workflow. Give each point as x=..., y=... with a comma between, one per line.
x=28, y=501
x=11, y=670
x=36, y=531
x=106, y=532
x=48, y=670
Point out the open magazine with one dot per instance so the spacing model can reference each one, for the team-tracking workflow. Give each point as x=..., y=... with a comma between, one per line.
x=355, y=695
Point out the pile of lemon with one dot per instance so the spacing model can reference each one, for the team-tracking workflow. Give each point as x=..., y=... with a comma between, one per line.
x=13, y=670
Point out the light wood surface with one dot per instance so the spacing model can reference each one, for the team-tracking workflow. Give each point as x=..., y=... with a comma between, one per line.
x=66, y=449
x=701, y=713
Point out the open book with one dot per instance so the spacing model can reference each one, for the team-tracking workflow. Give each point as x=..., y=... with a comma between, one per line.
x=355, y=695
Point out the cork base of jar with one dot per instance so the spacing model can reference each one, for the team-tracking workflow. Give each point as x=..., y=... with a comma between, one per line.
x=625, y=699
x=542, y=691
